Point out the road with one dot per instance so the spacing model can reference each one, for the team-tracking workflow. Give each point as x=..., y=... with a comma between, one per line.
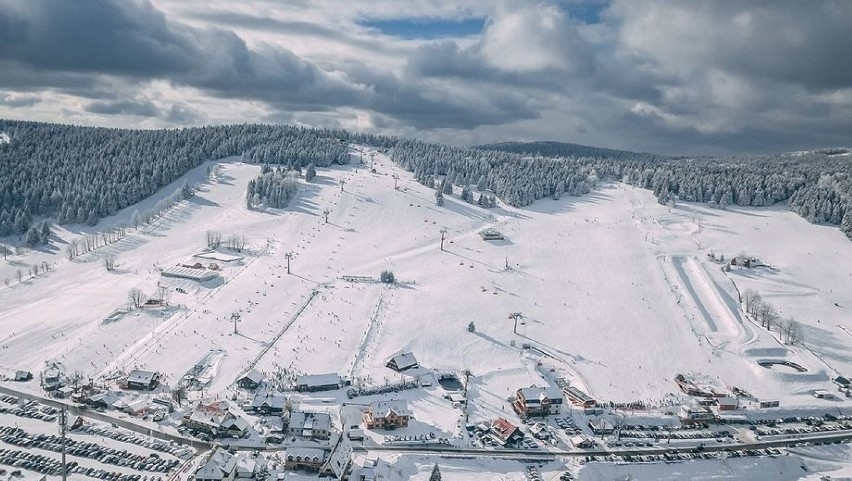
x=549, y=455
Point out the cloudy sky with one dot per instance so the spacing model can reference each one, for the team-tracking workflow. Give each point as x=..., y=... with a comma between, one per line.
x=662, y=76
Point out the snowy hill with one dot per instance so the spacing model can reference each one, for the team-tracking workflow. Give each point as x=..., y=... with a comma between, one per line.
x=616, y=293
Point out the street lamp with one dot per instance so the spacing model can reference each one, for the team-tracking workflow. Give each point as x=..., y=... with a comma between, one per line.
x=395, y=179
x=325, y=213
x=443, y=233
x=288, y=256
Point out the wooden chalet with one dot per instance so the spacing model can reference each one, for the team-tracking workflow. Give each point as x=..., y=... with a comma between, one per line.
x=387, y=414
x=402, y=361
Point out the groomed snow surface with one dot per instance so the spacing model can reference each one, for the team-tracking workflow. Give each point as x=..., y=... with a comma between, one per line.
x=616, y=293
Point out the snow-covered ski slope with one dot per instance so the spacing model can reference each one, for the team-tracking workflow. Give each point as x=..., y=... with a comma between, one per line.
x=616, y=292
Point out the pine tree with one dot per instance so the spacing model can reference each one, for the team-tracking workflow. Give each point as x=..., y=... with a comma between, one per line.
x=22, y=223
x=436, y=474
x=45, y=231
x=447, y=186
x=439, y=197
x=846, y=225
x=310, y=172
x=33, y=237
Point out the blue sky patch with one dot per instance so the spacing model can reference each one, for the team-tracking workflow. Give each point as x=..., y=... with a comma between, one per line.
x=426, y=28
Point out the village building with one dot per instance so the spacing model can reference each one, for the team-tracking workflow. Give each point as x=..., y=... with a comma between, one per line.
x=52, y=378
x=220, y=466
x=247, y=466
x=23, y=376
x=842, y=382
x=339, y=460
x=537, y=401
x=143, y=380
x=132, y=406
x=103, y=400
x=696, y=414
x=180, y=272
x=267, y=403
x=505, y=432
x=250, y=380
x=205, y=421
x=317, y=382
x=387, y=414
x=374, y=469
x=234, y=426
x=402, y=361
x=308, y=459
x=601, y=426
x=581, y=441
x=728, y=403
x=309, y=425
x=578, y=397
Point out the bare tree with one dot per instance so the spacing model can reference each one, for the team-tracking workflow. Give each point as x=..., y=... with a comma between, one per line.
x=214, y=239
x=750, y=299
x=137, y=297
x=179, y=395
x=109, y=262
x=767, y=315
x=162, y=293
x=789, y=331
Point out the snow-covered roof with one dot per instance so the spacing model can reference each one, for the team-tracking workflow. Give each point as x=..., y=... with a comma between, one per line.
x=403, y=361
x=189, y=273
x=245, y=466
x=235, y=423
x=254, y=376
x=579, y=440
x=503, y=429
x=318, y=380
x=272, y=400
x=302, y=421
x=296, y=452
x=141, y=377
x=382, y=409
x=220, y=465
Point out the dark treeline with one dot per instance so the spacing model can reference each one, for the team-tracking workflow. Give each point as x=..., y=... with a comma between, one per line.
x=560, y=149
x=816, y=184
x=81, y=174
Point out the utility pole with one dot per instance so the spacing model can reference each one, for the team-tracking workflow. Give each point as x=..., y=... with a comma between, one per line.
x=395, y=179
x=235, y=316
x=63, y=421
x=372, y=158
x=515, y=316
x=289, y=256
x=325, y=213
x=342, y=183
x=443, y=232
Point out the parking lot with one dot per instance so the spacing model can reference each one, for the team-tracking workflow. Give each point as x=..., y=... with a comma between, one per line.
x=29, y=441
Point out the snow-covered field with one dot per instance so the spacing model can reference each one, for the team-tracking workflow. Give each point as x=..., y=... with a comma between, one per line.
x=616, y=292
